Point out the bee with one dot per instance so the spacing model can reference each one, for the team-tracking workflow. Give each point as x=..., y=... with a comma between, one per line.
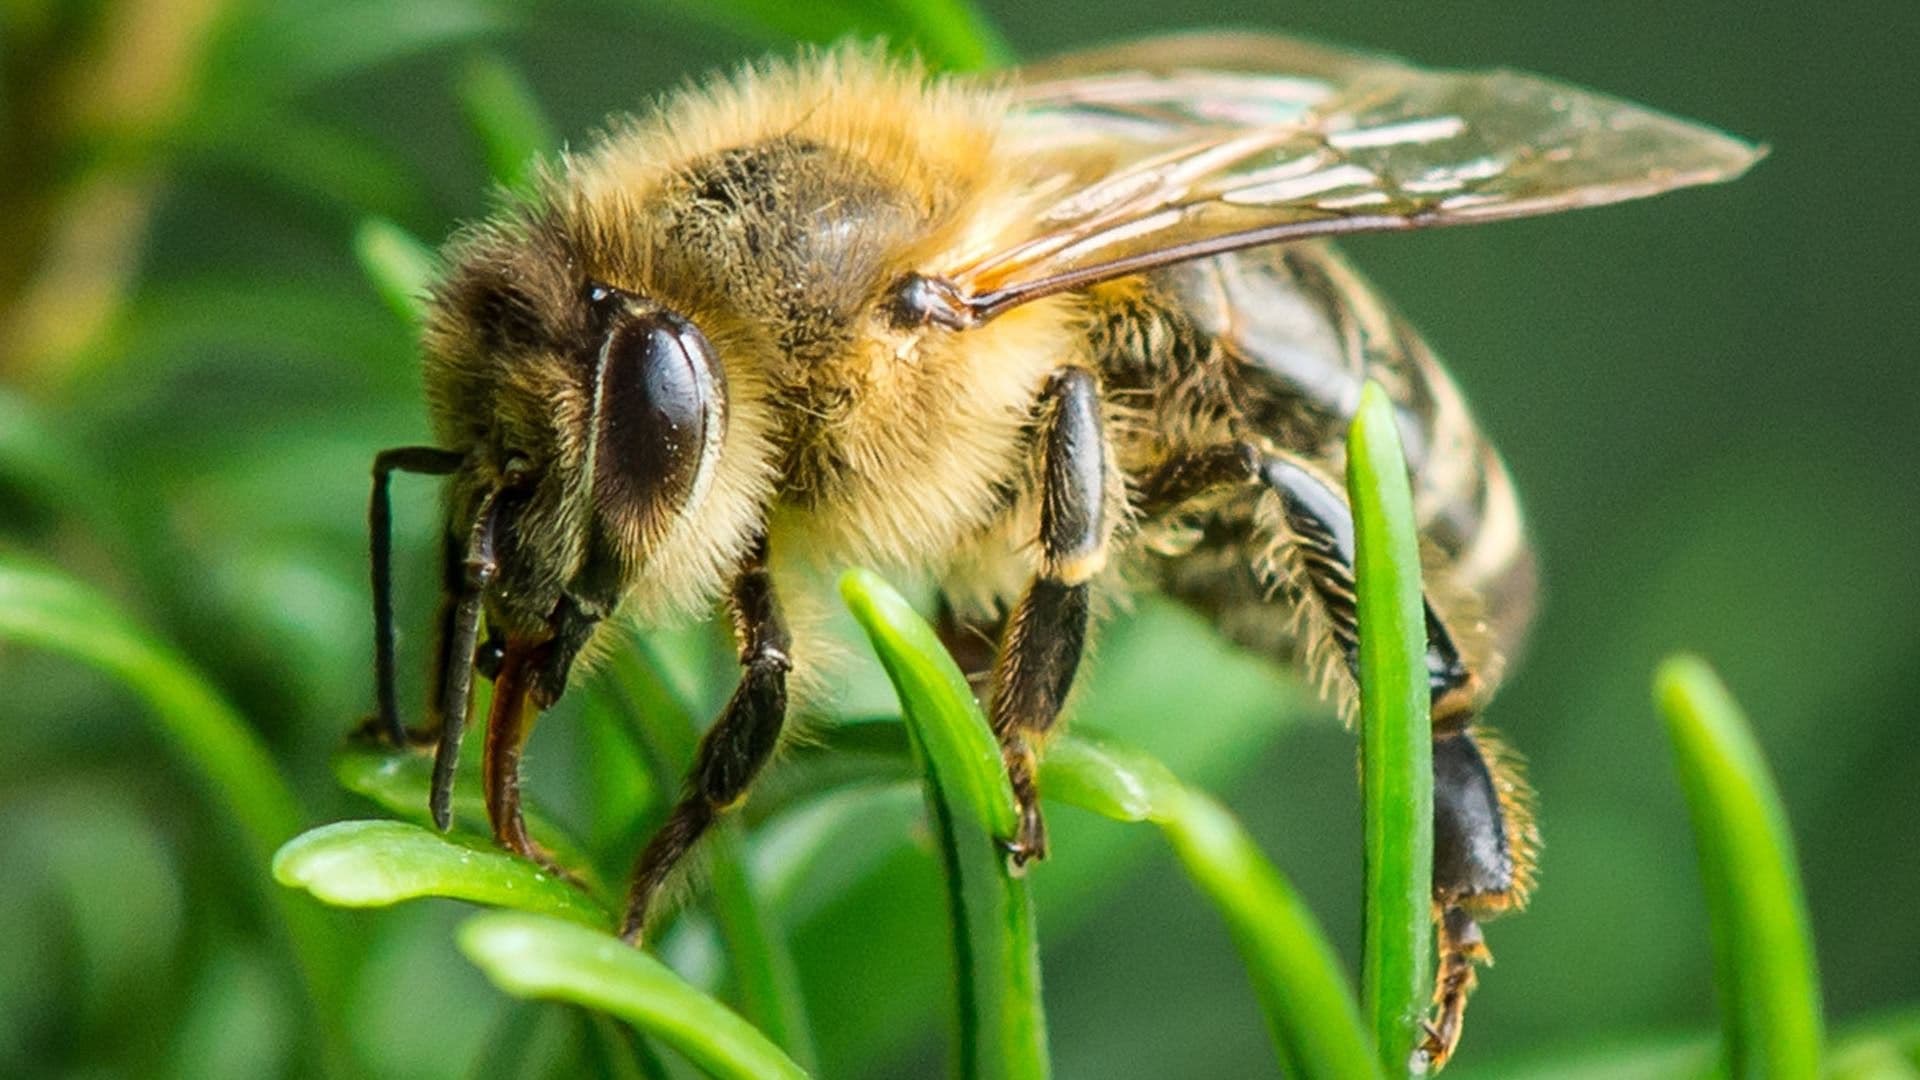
x=1041, y=338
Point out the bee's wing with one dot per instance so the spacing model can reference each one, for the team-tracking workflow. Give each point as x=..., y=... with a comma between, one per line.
x=1184, y=147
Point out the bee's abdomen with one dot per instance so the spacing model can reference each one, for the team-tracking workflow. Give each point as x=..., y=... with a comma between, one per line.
x=1273, y=346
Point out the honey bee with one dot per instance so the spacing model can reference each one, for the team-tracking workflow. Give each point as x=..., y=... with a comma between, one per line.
x=1040, y=338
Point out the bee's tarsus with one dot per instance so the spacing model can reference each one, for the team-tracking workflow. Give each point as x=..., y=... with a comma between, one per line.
x=1462, y=950
x=462, y=631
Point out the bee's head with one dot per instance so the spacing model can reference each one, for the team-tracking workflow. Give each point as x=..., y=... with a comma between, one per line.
x=590, y=419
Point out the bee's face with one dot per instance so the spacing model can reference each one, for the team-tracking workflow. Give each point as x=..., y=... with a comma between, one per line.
x=591, y=419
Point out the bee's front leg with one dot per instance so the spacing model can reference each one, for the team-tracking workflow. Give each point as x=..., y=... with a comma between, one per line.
x=385, y=723
x=527, y=680
x=1040, y=650
x=733, y=751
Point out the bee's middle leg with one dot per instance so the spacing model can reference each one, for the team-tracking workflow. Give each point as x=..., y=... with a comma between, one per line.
x=1040, y=649
x=734, y=749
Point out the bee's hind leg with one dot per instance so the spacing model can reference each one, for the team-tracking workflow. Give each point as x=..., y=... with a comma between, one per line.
x=1046, y=632
x=1483, y=851
x=1484, y=836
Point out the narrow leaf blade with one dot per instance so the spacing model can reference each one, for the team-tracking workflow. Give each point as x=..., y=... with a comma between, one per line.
x=44, y=609
x=1002, y=1030
x=512, y=128
x=536, y=957
x=1763, y=952
x=398, y=783
x=400, y=267
x=1396, y=735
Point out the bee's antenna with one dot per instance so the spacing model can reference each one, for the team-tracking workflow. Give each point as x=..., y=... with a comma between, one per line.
x=428, y=460
x=463, y=632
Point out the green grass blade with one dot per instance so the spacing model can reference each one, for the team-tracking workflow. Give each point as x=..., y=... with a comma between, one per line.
x=1002, y=1029
x=938, y=703
x=759, y=955
x=1763, y=953
x=534, y=957
x=506, y=119
x=951, y=35
x=400, y=267
x=1305, y=995
x=44, y=609
x=359, y=864
x=1396, y=775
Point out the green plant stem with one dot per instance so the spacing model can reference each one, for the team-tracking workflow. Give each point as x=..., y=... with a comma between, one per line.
x=1763, y=953
x=1396, y=775
x=1002, y=1025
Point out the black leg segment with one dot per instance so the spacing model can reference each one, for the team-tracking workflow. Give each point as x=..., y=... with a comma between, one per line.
x=427, y=460
x=734, y=750
x=1322, y=525
x=463, y=631
x=1047, y=631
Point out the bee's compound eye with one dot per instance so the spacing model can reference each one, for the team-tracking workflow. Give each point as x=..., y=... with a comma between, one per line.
x=660, y=410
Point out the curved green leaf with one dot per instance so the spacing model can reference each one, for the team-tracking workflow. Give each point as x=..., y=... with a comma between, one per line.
x=398, y=783
x=1396, y=756
x=45, y=609
x=1002, y=1030
x=360, y=864
x=1763, y=953
x=1308, y=1002
x=531, y=956
x=937, y=701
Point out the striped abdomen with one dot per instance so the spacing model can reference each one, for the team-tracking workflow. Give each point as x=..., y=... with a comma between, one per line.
x=1272, y=346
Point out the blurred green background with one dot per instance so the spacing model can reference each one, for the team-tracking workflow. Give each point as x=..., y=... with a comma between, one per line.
x=1710, y=402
